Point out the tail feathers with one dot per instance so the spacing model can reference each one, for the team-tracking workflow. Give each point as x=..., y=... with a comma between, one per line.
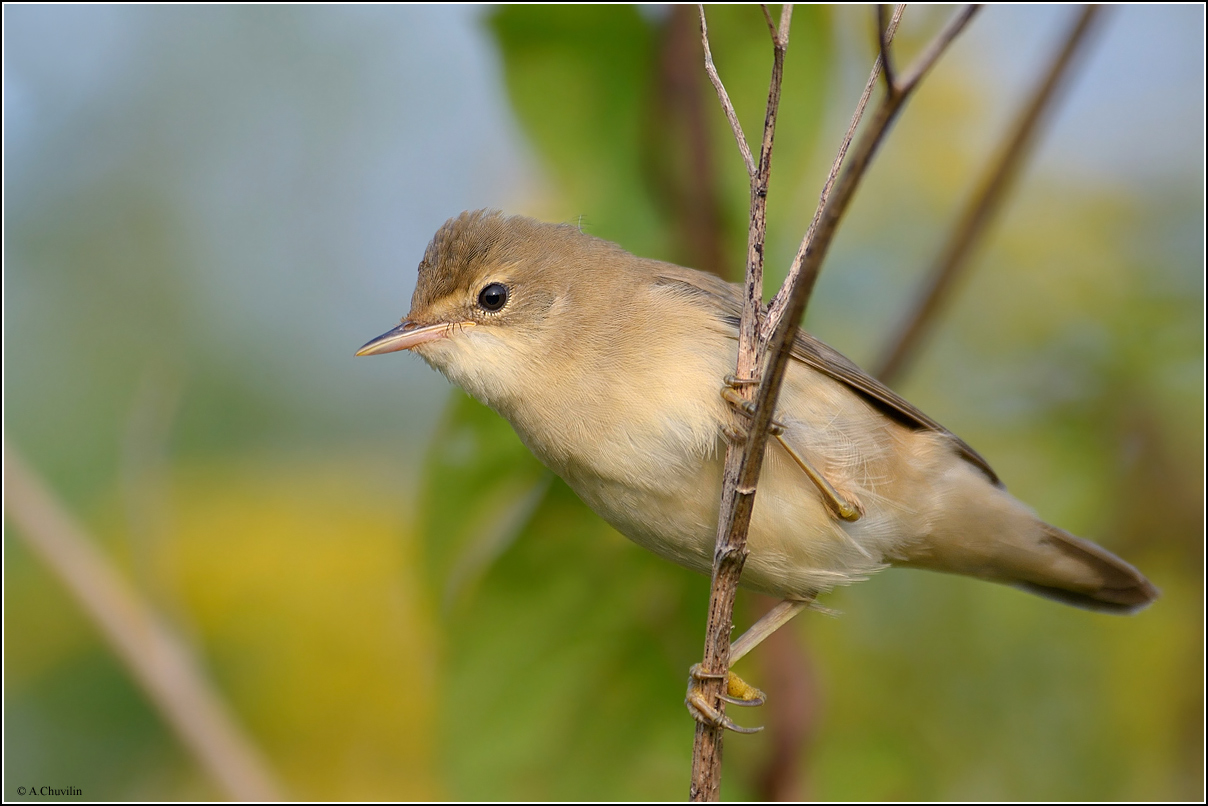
x=1087, y=575
x=1012, y=546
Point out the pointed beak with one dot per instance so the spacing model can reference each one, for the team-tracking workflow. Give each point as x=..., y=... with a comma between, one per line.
x=409, y=334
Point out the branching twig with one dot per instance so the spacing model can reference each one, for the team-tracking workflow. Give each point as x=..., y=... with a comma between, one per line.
x=993, y=187
x=741, y=470
x=156, y=658
x=724, y=97
x=731, y=551
x=767, y=17
x=808, y=262
x=776, y=308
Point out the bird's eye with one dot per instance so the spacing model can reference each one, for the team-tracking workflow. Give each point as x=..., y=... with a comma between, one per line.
x=493, y=297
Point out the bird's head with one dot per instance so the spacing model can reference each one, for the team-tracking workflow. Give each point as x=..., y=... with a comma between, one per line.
x=494, y=305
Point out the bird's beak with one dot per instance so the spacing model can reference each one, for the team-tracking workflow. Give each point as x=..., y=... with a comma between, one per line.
x=409, y=334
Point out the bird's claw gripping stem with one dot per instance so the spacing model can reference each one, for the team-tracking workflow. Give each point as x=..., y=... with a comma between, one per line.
x=738, y=692
x=747, y=407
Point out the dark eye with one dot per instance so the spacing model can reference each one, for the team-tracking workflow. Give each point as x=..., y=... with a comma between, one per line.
x=493, y=297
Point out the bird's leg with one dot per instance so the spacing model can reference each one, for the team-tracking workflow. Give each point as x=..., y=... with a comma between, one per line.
x=769, y=623
x=738, y=691
x=835, y=502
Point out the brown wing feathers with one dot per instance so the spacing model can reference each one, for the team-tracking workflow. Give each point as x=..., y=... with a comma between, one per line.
x=818, y=356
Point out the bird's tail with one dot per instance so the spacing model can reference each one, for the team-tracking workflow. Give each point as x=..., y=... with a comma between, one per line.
x=1080, y=573
x=1004, y=541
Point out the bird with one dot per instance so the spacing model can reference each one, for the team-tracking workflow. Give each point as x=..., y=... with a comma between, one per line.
x=616, y=371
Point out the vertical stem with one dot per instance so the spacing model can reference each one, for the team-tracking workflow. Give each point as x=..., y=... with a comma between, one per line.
x=742, y=468
x=731, y=552
x=776, y=308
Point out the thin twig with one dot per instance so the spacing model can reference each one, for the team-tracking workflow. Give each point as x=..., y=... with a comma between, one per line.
x=157, y=659
x=724, y=97
x=782, y=339
x=730, y=553
x=985, y=203
x=883, y=38
x=767, y=17
x=804, y=272
x=936, y=48
x=741, y=473
x=786, y=17
x=776, y=308
x=685, y=188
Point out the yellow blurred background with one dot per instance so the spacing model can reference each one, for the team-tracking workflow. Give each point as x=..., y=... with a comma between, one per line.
x=208, y=209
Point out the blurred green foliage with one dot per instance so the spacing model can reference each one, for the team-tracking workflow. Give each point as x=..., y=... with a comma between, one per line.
x=295, y=584
x=618, y=106
x=190, y=227
x=563, y=644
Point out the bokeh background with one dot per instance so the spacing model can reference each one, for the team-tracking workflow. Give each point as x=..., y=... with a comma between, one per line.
x=207, y=209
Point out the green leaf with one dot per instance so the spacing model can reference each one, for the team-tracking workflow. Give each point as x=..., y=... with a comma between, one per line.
x=579, y=78
x=567, y=646
x=618, y=106
x=481, y=486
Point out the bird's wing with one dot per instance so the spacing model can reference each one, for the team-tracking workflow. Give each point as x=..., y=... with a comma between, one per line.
x=726, y=298
x=829, y=361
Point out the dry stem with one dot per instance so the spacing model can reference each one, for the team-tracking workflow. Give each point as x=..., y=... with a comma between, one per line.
x=724, y=97
x=776, y=308
x=157, y=659
x=883, y=39
x=731, y=551
x=742, y=473
x=807, y=264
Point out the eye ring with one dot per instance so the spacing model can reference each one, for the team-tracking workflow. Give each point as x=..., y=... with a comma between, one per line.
x=493, y=297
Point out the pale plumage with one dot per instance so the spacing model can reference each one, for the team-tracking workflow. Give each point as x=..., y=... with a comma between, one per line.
x=610, y=368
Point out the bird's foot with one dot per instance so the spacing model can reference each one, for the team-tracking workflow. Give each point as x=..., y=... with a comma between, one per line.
x=738, y=692
x=747, y=407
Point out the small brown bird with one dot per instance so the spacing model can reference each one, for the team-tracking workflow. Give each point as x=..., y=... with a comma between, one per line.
x=613, y=371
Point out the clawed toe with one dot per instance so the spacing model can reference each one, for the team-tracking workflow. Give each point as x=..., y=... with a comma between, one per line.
x=735, y=382
x=839, y=505
x=744, y=406
x=738, y=692
x=705, y=714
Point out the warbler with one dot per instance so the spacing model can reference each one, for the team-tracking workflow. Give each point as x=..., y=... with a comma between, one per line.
x=616, y=372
